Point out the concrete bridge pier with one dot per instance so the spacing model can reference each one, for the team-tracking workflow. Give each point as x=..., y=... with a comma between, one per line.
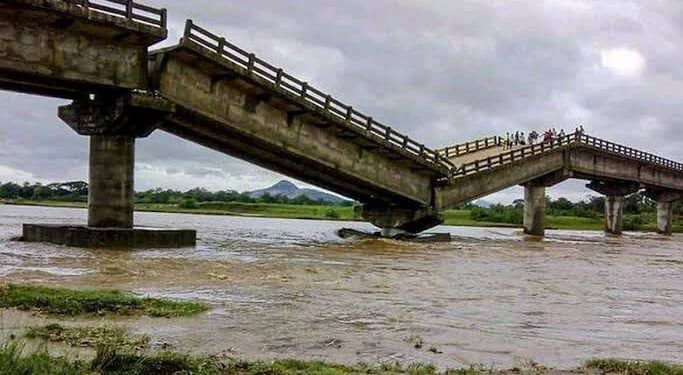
x=111, y=181
x=665, y=200
x=113, y=124
x=534, y=209
x=614, y=202
x=396, y=221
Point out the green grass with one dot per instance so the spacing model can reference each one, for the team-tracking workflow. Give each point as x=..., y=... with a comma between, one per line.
x=89, y=337
x=60, y=301
x=623, y=367
x=13, y=362
x=110, y=360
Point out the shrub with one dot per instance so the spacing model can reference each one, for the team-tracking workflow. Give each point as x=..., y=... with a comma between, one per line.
x=188, y=204
x=331, y=213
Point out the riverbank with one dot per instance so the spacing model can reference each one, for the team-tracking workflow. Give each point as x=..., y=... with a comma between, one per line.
x=338, y=213
x=112, y=350
x=109, y=361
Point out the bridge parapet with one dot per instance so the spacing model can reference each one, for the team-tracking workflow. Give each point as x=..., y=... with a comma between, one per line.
x=571, y=140
x=128, y=9
x=470, y=147
x=312, y=99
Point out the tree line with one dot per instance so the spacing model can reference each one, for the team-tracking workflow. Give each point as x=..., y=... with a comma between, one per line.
x=77, y=191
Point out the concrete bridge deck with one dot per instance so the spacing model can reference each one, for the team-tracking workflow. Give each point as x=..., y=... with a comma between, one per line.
x=614, y=170
x=211, y=92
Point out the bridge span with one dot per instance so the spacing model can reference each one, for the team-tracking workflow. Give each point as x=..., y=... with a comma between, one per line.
x=211, y=92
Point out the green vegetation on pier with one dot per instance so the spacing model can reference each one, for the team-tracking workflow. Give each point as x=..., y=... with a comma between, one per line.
x=58, y=301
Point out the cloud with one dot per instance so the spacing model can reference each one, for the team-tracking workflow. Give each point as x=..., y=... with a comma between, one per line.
x=623, y=62
x=442, y=71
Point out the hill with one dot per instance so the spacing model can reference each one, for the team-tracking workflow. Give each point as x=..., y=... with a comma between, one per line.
x=291, y=191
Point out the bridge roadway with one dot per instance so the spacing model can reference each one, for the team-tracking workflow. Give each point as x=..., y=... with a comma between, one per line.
x=209, y=91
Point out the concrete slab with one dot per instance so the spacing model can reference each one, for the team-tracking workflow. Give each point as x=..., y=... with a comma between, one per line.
x=83, y=236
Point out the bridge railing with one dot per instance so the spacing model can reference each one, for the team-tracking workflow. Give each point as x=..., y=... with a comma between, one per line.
x=629, y=152
x=571, y=139
x=469, y=147
x=128, y=9
x=312, y=96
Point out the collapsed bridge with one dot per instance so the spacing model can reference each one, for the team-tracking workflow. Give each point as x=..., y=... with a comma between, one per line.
x=211, y=92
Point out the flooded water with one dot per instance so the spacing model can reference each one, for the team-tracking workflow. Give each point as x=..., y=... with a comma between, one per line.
x=292, y=288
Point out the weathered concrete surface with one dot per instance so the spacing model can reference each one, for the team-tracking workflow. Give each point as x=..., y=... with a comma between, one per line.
x=488, y=182
x=614, y=202
x=664, y=218
x=665, y=200
x=135, y=115
x=55, y=48
x=81, y=236
x=534, y=209
x=589, y=163
x=399, y=220
x=243, y=118
x=111, y=182
x=614, y=214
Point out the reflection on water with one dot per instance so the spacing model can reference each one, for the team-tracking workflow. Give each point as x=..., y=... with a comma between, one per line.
x=293, y=288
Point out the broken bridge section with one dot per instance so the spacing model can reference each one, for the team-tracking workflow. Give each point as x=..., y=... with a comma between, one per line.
x=231, y=101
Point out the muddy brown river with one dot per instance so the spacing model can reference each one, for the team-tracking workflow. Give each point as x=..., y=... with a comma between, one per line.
x=292, y=288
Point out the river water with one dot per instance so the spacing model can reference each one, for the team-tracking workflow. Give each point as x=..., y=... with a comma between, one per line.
x=292, y=288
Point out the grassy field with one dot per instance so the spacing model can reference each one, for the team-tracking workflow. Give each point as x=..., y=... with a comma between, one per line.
x=290, y=211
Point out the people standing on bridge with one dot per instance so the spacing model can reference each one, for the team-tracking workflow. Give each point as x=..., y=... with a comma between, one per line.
x=548, y=135
x=533, y=136
x=562, y=133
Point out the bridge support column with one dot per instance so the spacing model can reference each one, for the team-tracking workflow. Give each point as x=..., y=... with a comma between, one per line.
x=665, y=201
x=399, y=221
x=534, y=209
x=112, y=124
x=614, y=202
x=614, y=214
x=111, y=182
x=664, y=217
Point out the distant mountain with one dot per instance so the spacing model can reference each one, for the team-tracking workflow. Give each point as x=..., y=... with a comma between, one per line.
x=291, y=191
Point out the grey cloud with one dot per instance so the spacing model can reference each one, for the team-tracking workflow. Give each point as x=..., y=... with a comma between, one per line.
x=442, y=71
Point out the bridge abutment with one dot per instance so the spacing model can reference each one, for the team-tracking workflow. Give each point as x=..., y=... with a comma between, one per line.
x=614, y=202
x=534, y=209
x=113, y=124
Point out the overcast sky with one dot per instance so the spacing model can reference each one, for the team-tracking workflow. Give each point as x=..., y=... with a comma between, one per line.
x=441, y=71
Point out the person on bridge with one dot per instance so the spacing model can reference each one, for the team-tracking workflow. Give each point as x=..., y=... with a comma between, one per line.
x=533, y=136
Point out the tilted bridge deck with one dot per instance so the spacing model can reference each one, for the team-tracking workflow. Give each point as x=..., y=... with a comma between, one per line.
x=310, y=98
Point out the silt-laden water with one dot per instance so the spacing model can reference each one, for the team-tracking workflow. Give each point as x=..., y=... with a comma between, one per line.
x=292, y=288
